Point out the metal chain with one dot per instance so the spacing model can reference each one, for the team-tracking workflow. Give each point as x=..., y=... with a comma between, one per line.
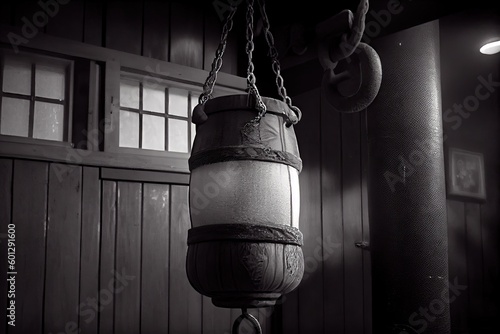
x=208, y=87
x=273, y=53
x=351, y=40
x=252, y=88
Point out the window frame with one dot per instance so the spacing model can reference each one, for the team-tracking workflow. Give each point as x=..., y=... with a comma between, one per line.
x=103, y=123
x=36, y=57
x=167, y=85
x=114, y=72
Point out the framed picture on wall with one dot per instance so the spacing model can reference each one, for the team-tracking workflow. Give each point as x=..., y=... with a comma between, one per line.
x=466, y=174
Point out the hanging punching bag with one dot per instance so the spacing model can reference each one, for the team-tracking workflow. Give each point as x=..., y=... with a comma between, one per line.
x=407, y=187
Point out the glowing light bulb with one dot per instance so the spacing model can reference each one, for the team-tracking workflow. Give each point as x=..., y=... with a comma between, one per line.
x=490, y=48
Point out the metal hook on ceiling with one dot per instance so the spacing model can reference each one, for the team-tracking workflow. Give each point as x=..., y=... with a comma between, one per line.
x=352, y=70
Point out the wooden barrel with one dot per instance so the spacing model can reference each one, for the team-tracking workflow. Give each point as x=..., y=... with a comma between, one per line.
x=245, y=177
x=244, y=247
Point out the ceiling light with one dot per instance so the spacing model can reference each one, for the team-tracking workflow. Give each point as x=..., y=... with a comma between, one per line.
x=490, y=48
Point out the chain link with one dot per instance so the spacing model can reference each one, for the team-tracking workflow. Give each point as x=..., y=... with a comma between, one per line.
x=250, y=46
x=350, y=40
x=273, y=53
x=251, y=80
x=208, y=87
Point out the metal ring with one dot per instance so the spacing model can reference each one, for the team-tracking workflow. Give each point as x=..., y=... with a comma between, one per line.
x=250, y=318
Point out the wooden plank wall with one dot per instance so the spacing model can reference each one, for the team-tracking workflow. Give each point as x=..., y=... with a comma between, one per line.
x=101, y=255
x=173, y=31
x=335, y=294
x=473, y=226
x=468, y=253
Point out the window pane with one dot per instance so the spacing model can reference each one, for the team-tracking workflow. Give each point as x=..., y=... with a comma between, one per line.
x=153, y=132
x=50, y=81
x=194, y=101
x=129, y=94
x=178, y=102
x=153, y=99
x=177, y=135
x=48, y=121
x=15, y=117
x=17, y=76
x=193, y=133
x=129, y=129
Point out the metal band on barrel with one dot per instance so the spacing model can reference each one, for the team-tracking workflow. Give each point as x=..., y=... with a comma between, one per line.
x=243, y=153
x=275, y=233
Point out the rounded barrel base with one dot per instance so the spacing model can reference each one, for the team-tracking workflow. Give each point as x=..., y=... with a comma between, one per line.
x=244, y=265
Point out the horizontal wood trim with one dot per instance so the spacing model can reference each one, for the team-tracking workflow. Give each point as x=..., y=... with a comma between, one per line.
x=144, y=176
x=89, y=158
x=28, y=140
x=150, y=66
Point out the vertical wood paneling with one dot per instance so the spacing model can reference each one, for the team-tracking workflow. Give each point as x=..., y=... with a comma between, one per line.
x=89, y=257
x=457, y=262
x=213, y=30
x=215, y=319
x=367, y=262
x=155, y=255
x=5, y=220
x=234, y=313
x=66, y=20
x=63, y=248
x=490, y=248
x=331, y=187
x=265, y=319
x=185, y=315
x=156, y=29
x=186, y=34
x=107, y=263
x=128, y=258
x=290, y=311
x=29, y=214
x=92, y=33
x=474, y=262
x=24, y=11
x=352, y=216
x=311, y=288
x=6, y=11
x=124, y=26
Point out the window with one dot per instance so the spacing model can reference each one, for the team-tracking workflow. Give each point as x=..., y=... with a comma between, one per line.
x=156, y=116
x=34, y=96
